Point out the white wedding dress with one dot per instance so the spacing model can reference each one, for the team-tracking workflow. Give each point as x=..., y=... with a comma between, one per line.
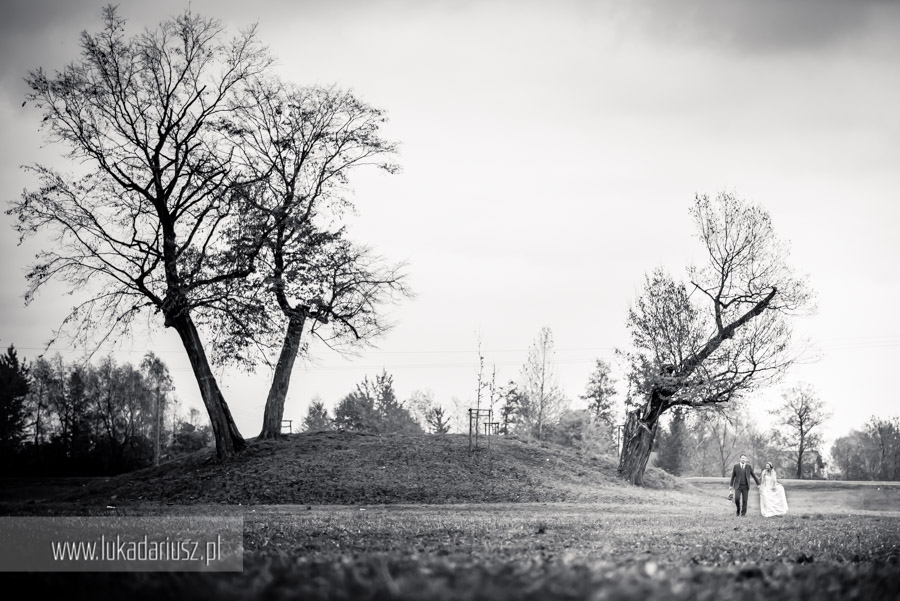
x=772, y=501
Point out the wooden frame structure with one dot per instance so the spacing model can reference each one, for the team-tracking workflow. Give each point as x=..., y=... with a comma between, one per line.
x=482, y=419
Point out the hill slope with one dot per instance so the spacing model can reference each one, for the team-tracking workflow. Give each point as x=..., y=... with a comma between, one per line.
x=356, y=468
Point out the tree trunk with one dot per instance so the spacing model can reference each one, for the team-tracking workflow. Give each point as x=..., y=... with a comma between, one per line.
x=225, y=431
x=637, y=439
x=281, y=379
x=37, y=417
x=157, y=428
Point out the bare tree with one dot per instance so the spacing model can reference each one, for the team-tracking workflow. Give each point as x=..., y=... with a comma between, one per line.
x=544, y=398
x=156, y=372
x=759, y=445
x=39, y=398
x=459, y=415
x=800, y=416
x=427, y=412
x=481, y=383
x=709, y=342
x=301, y=145
x=885, y=436
x=727, y=431
x=419, y=403
x=154, y=223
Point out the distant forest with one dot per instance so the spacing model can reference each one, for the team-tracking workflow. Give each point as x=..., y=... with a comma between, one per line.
x=60, y=418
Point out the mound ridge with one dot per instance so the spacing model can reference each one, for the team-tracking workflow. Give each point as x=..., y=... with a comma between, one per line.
x=347, y=468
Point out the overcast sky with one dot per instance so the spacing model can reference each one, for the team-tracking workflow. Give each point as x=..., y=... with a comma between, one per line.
x=550, y=154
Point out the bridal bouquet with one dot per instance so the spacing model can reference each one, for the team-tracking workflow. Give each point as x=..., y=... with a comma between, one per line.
x=731, y=494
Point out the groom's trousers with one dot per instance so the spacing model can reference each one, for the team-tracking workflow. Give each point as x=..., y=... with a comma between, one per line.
x=740, y=499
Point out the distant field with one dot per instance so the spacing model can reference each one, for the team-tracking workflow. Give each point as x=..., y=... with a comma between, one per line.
x=822, y=496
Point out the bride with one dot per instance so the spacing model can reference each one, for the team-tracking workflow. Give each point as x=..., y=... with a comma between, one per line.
x=771, y=494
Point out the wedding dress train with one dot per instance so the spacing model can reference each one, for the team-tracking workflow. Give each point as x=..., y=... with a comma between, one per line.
x=772, y=501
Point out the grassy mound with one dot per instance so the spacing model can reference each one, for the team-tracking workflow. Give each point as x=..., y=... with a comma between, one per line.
x=325, y=468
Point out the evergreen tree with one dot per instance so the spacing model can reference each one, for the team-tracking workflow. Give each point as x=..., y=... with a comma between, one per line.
x=356, y=413
x=317, y=419
x=14, y=386
x=673, y=445
x=437, y=420
x=374, y=407
x=599, y=393
x=514, y=409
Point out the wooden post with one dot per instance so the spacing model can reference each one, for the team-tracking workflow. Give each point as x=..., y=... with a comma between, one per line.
x=475, y=424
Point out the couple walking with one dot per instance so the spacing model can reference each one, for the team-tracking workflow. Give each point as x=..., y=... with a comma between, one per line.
x=771, y=494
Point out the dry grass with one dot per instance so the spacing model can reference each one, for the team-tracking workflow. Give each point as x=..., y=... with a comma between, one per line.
x=352, y=468
x=658, y=550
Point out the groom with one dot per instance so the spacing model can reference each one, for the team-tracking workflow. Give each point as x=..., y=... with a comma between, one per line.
x=741, y=483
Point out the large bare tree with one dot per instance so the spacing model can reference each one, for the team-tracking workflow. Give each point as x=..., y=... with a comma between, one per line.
x=152, y=219
x=716, y=337
x=800, y=417
x=301, y=144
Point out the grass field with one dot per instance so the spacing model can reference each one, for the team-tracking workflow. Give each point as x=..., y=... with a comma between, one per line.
x=674, y=546
x=610, y=541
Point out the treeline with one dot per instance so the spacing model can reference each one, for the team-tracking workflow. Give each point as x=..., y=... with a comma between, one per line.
x=532, y=405
x=373, y=407
x=698, y=444
x=872, y=453
x=695, y=443
x=709, y=442
x=73, y=419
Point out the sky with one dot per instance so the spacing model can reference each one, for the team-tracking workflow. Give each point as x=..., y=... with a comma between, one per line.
x=550, y=153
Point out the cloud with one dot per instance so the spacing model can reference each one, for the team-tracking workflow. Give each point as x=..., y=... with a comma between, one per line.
x=762, y=26
x=35, y=33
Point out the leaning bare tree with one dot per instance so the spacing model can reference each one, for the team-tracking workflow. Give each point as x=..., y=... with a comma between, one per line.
x=151, y=222
x=302, y=144
x=706, y=343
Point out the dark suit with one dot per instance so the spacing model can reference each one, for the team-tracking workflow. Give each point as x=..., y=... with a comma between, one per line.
x=741, y=483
